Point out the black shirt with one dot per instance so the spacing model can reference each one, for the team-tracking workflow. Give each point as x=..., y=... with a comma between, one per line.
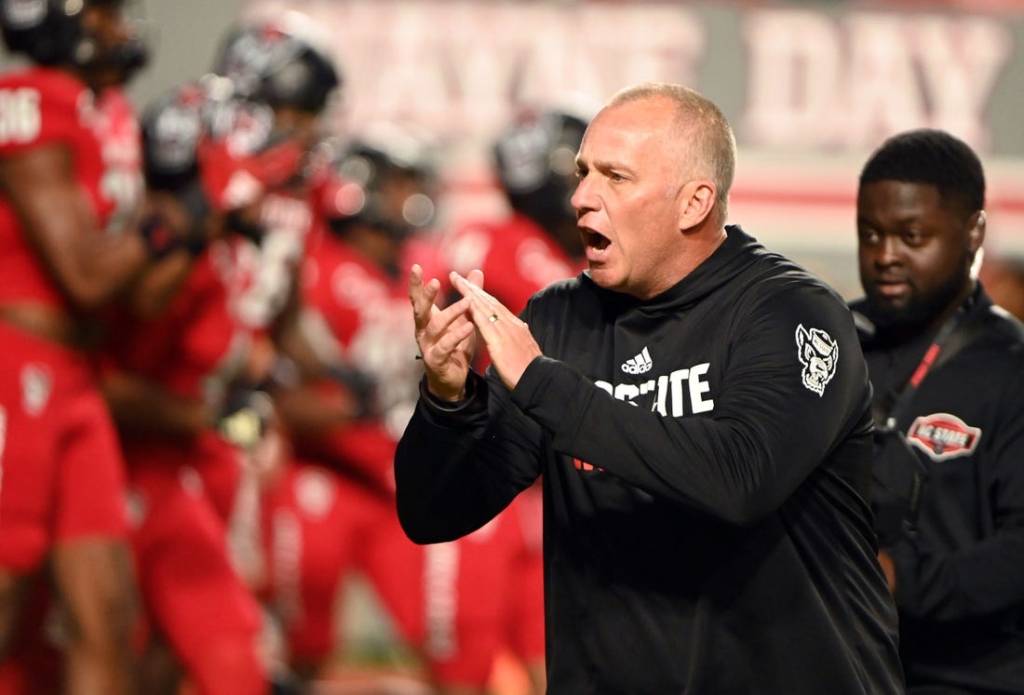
x=960, y=577
x=705, y=458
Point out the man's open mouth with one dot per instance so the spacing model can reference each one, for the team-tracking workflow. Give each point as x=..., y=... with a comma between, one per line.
x=594, y=240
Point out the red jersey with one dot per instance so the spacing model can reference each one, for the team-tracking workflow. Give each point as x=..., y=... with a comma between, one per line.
x=517, y=256
x=453, y=600
x=122, y=183
x=367, y=312
x=195, y=348
x=42, y=106
x=287, y=216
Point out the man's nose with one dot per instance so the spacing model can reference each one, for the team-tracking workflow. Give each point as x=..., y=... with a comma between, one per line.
x=583, y=197
x=888, y=251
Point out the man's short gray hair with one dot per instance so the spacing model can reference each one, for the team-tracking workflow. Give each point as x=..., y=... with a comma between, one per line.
x=711, y=136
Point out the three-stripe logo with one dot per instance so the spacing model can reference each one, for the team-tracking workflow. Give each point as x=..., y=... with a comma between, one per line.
x=640, y=364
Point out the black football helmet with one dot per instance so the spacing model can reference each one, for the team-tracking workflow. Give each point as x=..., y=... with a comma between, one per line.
x=175, y=124
x=536, y=165
x=50, y=32
x=389, y=187
x=214, y=151
x=172, y=127
x=268, y=64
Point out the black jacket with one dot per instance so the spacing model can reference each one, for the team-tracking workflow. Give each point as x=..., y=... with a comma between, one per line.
x=960, y=575
x=705, y=459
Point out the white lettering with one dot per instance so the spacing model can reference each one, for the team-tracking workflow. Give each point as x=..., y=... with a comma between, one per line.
x=124, y=189
x=881, y=95
x=659, y=402
x=668, y=389
x=279, y=252
x=287, y=559
x=441, y=597
x=20, y=119
x=698, y=388
x=627, y=392
x=949, y=436
x=959, y=65
x=286, y=213
x=791, y=83
x=466, y=67
x=677, y=378
x=853, y=81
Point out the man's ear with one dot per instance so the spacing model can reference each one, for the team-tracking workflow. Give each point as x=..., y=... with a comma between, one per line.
x=976, y=233
x=696, y=201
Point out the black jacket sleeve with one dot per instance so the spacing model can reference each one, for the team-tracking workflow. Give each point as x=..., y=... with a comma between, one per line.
x=766, y=433
x=457, y=467
x=987, y=577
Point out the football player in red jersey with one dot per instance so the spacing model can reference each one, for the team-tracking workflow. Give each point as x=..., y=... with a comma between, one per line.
x=284, y=69
x=68, y=184
x=322, y=524
x=286, y=86
x=170, y=379
x=538, y=243
x=452, y=602
x=192, y=425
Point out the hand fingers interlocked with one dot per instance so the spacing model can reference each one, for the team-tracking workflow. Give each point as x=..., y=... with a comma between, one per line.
x=508, y=339
x=491, y=317
x=439, y=332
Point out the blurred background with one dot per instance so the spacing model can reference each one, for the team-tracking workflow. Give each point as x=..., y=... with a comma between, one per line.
x=810, y=87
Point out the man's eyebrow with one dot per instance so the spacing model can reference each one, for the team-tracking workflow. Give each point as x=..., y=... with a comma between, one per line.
x=604, y=165
x=899, y=217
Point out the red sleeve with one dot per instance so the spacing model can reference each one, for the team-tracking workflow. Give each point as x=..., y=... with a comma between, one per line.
x=142, y=347
x=517, y=261
x=468, y=247
x=154, y=347
x=38, y=109
x=426, y=251
x=362, y=450
x=523, y=266
x=503, y=277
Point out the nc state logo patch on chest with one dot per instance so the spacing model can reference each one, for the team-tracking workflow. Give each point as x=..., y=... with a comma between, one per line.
x=943, y=436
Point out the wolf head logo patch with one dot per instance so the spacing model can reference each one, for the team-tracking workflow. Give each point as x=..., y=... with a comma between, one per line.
x=819, y=355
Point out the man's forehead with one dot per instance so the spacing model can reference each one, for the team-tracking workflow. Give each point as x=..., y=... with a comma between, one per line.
x=654, y=112
x=892, y=195
x=631, y=125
